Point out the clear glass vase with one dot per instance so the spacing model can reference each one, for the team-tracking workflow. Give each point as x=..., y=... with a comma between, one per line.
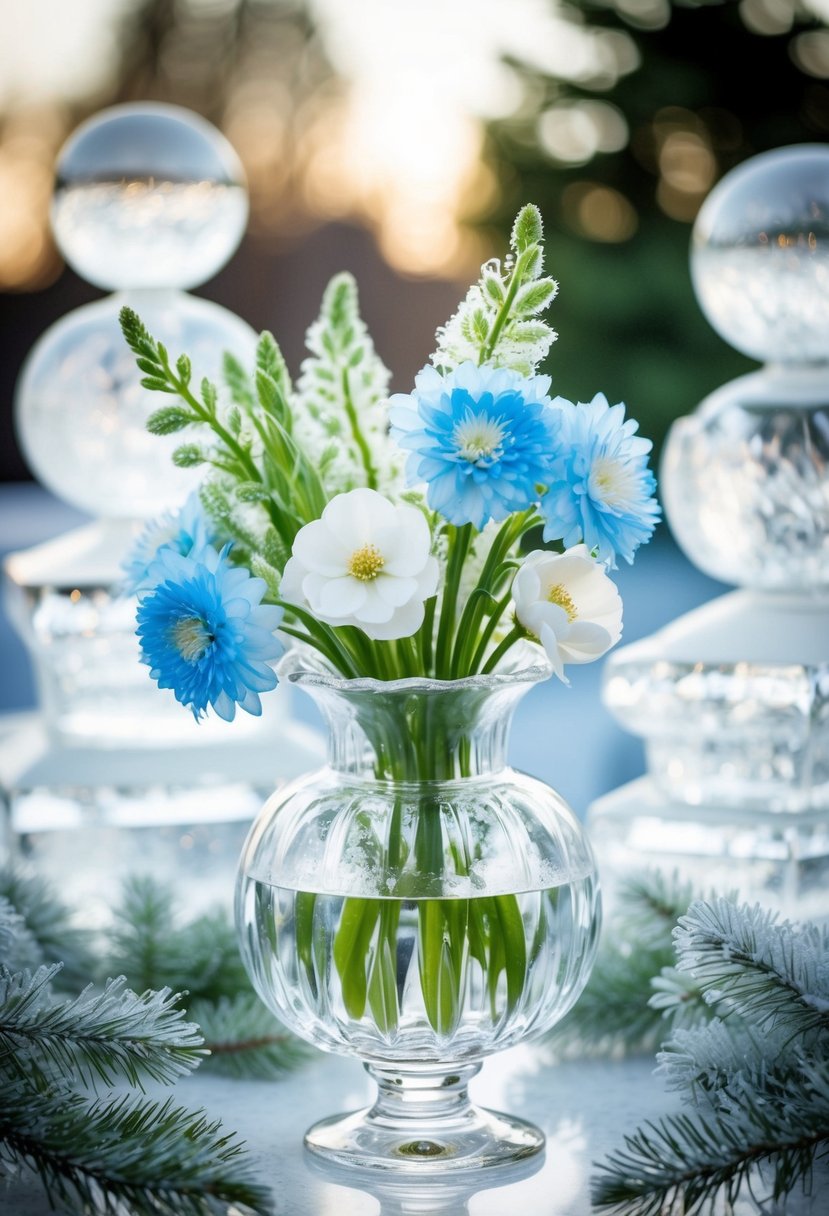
x=419, y=904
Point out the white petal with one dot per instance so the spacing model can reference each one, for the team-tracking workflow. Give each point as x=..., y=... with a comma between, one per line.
x=290, y=588
x=545, y=615
x=341, y=596
x=395, y=591
x=585, y=643
x=318, y=549
x=550, y=644
x=526, y=589
x=354, y=518
x=373, y=609
x=406, y=547
x=427, y=580
x=406, y=621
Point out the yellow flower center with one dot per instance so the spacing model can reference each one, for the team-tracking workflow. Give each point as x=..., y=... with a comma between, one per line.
x=561, y=596
x=478, y=438
x=191, y=637
x=366, y=563
x=614, y=480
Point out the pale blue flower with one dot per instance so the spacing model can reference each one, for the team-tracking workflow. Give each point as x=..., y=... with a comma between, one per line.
x=482, y=438
x=186, y=531
x=601, y=490
x=205, y=633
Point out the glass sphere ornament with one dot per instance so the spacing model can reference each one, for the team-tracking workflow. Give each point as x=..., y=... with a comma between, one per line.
x=82, y=413
x=149, y=199
x=744, y=481
x=760, y=256
x=731, y=698
x=148, y=196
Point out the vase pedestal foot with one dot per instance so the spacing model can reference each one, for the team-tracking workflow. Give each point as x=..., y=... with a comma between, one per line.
x=423, y=1123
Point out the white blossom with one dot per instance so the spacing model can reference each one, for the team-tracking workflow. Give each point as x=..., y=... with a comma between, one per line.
x=365, y=562
x=568, y=603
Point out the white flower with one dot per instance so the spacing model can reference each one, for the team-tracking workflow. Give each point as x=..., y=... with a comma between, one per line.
x=365, y=562
x=568, y=603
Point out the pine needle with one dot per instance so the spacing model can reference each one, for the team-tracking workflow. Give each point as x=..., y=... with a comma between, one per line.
x=122, y=1154
x=97, y=1037
x=245, y=1040
x=50, y=936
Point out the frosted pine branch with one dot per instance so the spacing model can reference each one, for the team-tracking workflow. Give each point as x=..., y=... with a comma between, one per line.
x=758, y=1076
x=245, y=1040
x=122, y=1154
x=769, y=972
x=683, y=1165
x=44, y=933
x=706, y=1062
x=97, y=1037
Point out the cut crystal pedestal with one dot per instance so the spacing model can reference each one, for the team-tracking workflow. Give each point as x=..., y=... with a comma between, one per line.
x=732, y=700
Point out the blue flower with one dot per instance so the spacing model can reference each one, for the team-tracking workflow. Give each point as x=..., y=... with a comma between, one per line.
x=483, y=438
x=205, y=633
x=601, y=490
x=186, y=531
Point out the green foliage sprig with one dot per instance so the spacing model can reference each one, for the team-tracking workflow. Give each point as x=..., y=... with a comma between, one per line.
x=756, y=1075
x=339, y=408
x=499, y=320
x=154, y=948
x=117, y=1153
x=43, y=931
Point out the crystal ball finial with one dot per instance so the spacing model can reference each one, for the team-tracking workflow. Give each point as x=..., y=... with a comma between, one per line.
x=760, y=256
x=148, y=195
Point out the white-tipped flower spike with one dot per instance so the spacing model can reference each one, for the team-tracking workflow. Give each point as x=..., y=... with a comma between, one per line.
x=568, y=603
x=365, y=562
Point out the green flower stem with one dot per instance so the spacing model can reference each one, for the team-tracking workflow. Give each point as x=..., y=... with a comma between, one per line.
x=352, y=945
x=486, y=635
x=515, y=634
x=205, y=415
x=321, y=637
x=359, y=437
x=459, y=541
x=304, y=929
x=501, y=319
x=426, y=636
x=496, y=566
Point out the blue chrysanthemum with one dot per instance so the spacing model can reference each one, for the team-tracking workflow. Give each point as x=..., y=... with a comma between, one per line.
x=601, y=491
x=482, y=438
x=205, y=633
x=186, y=531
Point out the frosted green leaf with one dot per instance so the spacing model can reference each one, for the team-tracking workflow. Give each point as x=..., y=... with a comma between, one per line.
x=342, y=392
x=498, y=322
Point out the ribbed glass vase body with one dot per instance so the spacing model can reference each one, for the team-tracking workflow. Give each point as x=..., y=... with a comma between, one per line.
x=418, y=903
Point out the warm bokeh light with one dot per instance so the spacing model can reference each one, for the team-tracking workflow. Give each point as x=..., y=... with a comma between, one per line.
x=393, y=134
x=30, y=139
x=598, y=212
x=368, y=111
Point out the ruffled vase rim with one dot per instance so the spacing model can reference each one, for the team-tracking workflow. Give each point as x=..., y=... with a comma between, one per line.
x=529, y=665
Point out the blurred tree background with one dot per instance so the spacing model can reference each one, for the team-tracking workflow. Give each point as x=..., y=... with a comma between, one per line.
x=621, y=163
x=398, y=139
